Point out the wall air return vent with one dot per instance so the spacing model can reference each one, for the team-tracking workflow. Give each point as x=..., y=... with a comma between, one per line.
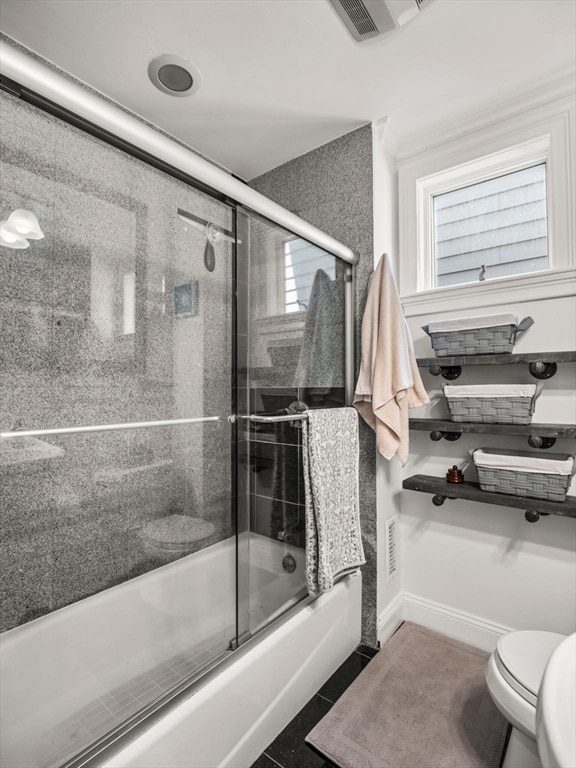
x=391, y=547
x=365, y=19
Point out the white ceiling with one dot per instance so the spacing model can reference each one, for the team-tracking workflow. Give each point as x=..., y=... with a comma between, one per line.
x=280, y=77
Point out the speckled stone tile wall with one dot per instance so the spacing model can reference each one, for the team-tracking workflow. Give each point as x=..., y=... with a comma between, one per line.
x=75, y=508
x=331, y=187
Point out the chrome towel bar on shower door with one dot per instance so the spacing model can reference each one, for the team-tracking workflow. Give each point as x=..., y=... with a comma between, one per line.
x=105, y=427
x=296, y=411
x=271, y=419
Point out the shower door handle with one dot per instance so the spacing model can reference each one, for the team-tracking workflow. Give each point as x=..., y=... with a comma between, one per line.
x=296, y=411
x=274, y=419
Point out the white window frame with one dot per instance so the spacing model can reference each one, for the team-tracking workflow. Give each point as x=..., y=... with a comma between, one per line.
x=483, y=169
x=536, y=134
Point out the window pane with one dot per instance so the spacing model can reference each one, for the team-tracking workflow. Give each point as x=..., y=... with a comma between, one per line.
x=302, y=261
x=496, y=228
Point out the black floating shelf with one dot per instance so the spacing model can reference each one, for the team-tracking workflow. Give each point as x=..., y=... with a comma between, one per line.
x=499, y=359
x=542, y=365
x=543, y=430
x=441, y=490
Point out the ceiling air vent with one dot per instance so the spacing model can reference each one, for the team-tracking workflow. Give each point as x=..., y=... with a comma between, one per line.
x=365, y=19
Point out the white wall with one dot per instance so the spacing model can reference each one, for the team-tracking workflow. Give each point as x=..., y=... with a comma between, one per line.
x=484, y=560
x=388, y=474
x=474, y=570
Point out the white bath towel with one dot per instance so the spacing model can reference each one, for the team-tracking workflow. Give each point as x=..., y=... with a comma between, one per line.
x=389, y=382
x=330, y=457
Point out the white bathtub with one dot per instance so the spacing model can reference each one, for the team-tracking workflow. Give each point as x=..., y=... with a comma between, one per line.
x=61, y=674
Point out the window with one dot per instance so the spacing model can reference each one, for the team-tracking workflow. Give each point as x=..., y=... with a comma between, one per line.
x=302, y=260
x=492, y=229
x=490, y=198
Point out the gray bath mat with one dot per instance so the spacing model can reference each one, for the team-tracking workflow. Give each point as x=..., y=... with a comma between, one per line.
x=421, y=702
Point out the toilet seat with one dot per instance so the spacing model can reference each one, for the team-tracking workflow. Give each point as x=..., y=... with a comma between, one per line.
x=177, y=532
x=522, y=657
x=514, y=673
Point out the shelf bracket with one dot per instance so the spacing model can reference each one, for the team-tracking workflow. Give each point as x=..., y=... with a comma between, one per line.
x=450, y=436
x=535, y=441
x=532, y=516
x=543, y=370
x=449, y=372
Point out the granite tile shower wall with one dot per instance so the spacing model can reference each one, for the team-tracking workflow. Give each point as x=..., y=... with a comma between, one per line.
x=74, y=507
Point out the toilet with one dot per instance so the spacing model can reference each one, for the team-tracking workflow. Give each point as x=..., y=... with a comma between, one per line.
x=513, y=675
x=174, y=536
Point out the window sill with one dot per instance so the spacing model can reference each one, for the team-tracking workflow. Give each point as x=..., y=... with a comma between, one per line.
x=537, y=286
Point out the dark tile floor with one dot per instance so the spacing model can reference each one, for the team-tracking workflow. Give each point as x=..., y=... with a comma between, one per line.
x=288, y=749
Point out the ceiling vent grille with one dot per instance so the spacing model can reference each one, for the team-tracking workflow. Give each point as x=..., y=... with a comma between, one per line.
x=391, y=547
x=365, y=19
x=359, y=16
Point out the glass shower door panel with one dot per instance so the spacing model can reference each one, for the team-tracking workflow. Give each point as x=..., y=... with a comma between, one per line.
x=294, y=354
x=163, y=607
x=118, y=546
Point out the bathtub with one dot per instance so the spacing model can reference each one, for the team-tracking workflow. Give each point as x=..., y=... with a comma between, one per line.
x=65, y=675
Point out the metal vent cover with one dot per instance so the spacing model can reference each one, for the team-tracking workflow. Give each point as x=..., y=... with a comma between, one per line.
x=365, y=19
x=359, y=16
x=391, y=547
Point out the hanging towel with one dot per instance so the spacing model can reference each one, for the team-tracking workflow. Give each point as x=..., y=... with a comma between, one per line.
x=389, y=382
x=330, y=457
x=321, y=362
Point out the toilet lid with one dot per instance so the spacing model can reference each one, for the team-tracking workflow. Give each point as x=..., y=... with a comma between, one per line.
x=525, y=655
x=178, y=530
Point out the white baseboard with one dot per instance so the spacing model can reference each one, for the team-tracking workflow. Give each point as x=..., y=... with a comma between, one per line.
x=459, y=625
x=390, y=619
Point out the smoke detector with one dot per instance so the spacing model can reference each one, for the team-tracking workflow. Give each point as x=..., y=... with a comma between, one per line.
x=365, y=19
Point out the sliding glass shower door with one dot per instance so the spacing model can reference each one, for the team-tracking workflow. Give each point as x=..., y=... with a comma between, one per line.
x=155, y=340
x=291, y=349
x=118, y=578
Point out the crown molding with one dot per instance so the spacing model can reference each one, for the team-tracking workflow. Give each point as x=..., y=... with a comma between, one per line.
x=550, y=89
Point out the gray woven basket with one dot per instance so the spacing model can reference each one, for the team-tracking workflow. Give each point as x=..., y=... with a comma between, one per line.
x=477, y=341
x=492, y=410
x=534, y=485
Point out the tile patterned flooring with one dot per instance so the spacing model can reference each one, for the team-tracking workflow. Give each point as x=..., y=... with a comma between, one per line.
x=288, y=749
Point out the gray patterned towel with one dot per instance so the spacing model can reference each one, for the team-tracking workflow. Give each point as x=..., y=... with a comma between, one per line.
x=333, y=537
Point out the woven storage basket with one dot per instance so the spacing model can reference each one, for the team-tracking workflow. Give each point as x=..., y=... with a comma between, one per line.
x=469, y=405
x=533, y=485
x=482, y=340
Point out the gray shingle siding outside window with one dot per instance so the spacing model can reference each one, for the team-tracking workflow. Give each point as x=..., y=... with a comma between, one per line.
x=500, y=223
x=302, y=261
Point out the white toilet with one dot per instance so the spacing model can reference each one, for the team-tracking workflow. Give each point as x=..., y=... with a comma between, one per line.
x=175, y=536
x=514, y=673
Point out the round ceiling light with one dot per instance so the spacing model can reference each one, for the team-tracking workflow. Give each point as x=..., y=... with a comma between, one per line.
x=174, y=75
